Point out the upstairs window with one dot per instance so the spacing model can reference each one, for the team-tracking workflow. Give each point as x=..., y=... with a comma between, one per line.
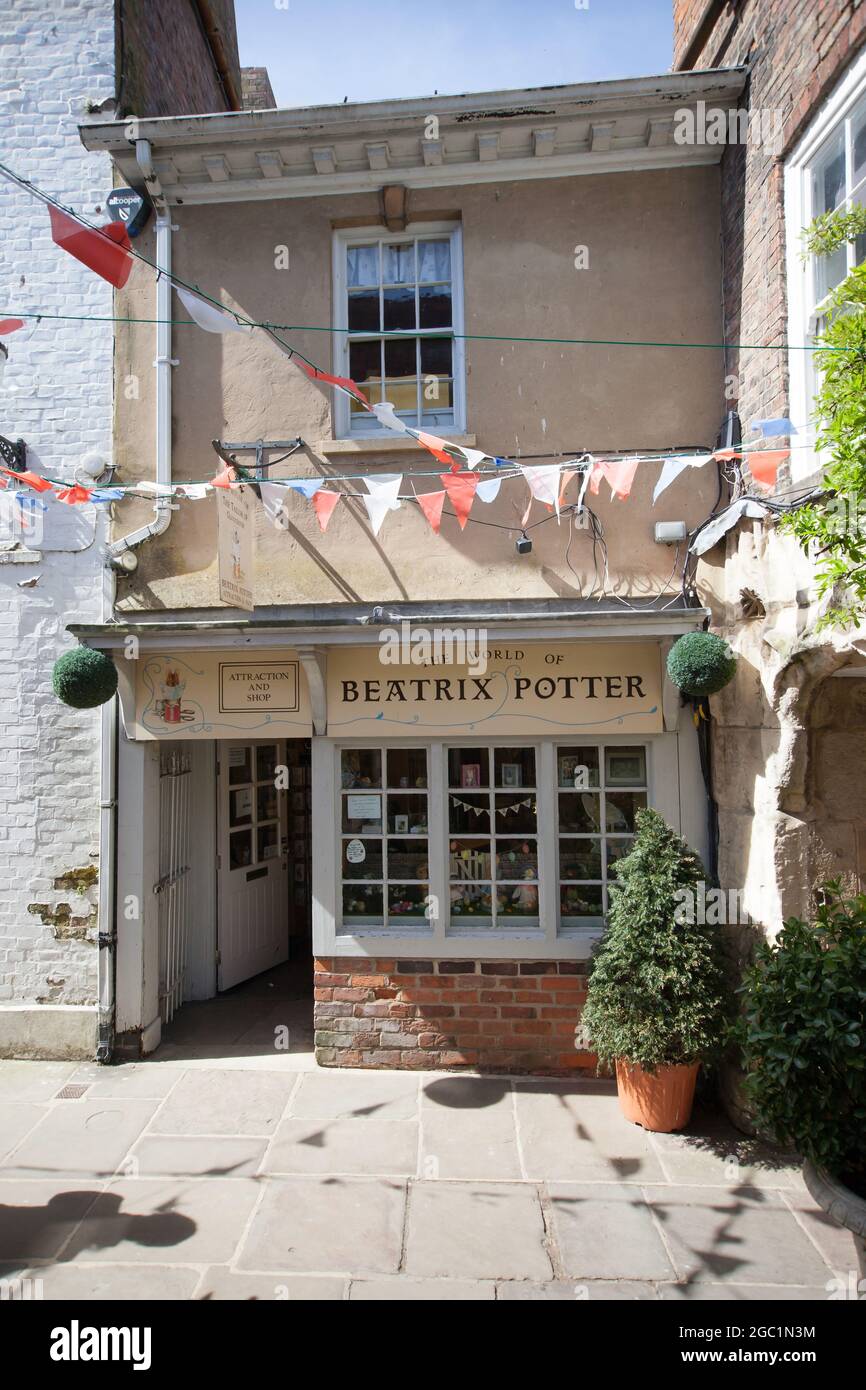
x=398, y=305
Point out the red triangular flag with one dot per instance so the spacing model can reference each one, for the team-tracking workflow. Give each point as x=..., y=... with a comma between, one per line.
x=620, y=474
x=595, y=477
x=102, y=249
x=764, y=465
x=434, y=443
x=324, y=503
x=345, y=383
x=8, y=326
x=31, y=479
x=74, y=494
x=225, y=477
x=461, y=492
x=431, y=504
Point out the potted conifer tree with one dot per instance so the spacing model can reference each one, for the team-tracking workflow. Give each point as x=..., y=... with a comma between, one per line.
x=657, y=998
x=802, y=1032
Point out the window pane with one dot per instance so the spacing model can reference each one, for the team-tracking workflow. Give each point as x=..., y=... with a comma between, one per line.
x=434, y=306
x=401, y=357
x=521, y=900
x=403, y=394
x=407, y=859
x=625, y=767
x=858, y=153
x=362, y=859
x=240, y=849
x=468, y=813
x=362, y=265
x=514, y=767
x=580, y=900
x=362, y=813
x=468, y=767
x=268, y=802
x=436, y=397
x=578, y=767
x=828, y=180
x=471, y=905
x=436, y=356
x=241, y=806
x=364, y=311
x=516, y=859
x=514, y=816
x=362, y=905
x=398, y=309
x=361, y=767
x=398, y=264
x=406, y=903
x=434, y=260
x=579, y=811
x=365, y=359
x=269, y=841
x=407, y=767
x=469, y=859
x=580, y=858
x=620, y=809
x=617, y=849
x=407, y=815
x=240, y=766
x=372, y=391
x=266, y=762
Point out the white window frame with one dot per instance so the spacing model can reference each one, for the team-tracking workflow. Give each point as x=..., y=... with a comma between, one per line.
x=802, y=316
x=437, y=941
x=366, y=426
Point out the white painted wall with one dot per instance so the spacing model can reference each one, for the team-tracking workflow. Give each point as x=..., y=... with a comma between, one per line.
x=57, y=395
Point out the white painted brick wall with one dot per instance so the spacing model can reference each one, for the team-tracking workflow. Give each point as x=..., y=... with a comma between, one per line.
x=56, y=395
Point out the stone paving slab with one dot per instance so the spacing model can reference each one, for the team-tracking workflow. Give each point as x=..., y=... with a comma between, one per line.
x=36, y=1081
x=477, y=1231
x=371, y=1147
x=711, y=1152
x=144, y=1220
x=357, y=1095
x=221, y=1283
x=80, y=1138
x=16, y=1120
x=37, y=1218
x=740, y=1236
x=607, y=1231
x=192, y=1156
x=328, y=1225
x=574, y=1131
x=98, y=1283
x=203, y=1103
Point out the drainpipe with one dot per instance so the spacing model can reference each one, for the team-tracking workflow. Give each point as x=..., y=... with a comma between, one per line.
x=121, y=557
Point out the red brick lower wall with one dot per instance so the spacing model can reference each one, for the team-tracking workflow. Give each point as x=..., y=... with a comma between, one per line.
x=514, y=1016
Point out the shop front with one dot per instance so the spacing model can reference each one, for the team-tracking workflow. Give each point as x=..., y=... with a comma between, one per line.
x=434, y=830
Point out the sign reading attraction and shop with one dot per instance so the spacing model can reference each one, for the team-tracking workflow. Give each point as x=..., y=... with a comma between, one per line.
x=514, y=690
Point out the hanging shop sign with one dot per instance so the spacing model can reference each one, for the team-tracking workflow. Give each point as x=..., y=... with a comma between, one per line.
x=235, y=545
x=579, y=688
x=213, y=695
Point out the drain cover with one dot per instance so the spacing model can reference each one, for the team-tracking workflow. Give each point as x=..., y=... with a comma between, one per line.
x=72, y=1092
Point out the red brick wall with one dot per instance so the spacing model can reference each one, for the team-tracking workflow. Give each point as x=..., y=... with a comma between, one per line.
x=798, y=50
x=165, y=64
x=515, y=1016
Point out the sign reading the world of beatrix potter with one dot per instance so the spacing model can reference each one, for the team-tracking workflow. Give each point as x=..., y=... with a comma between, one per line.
x=518, y=688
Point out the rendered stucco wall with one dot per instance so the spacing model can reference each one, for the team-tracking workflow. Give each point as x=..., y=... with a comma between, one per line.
x=56, y=395
x=653, y=273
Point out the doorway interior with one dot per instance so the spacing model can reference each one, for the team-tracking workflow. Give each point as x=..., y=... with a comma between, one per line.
x=236, y=922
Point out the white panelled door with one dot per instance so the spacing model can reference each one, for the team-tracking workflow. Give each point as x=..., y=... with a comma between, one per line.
x=252, y=875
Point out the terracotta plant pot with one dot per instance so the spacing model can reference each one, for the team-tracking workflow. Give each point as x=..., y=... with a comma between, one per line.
x=661, y=1101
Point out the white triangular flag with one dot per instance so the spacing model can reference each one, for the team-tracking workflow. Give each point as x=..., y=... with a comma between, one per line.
x=488, y=491
x=544, y=483
x=273, y=501
x=382, y=498
x=472, y=456
x=208, y=316
x=384, y=412
x=196, y=492
x=673, y=467
x=149, y=489
x=712, y=534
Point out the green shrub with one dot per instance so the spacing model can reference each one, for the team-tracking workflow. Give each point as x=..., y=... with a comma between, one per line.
x=84, y=678
x=700, y=663
x=803, y=1035
x=657, y=994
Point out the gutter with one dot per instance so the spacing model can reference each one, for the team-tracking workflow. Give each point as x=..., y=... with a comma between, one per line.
x=214, y=38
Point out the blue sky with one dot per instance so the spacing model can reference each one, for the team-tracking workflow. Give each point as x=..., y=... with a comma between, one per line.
x=320, y=51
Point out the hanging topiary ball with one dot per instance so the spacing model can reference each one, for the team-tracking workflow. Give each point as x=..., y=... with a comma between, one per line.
x=700, y=663
x=84, y=678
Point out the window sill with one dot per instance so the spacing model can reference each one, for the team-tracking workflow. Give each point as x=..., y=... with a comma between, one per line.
x=388, y=444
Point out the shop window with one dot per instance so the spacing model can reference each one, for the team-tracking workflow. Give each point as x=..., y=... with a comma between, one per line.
x=406, y=285
x=385, y=874
x=493, y=844
x=599, y=792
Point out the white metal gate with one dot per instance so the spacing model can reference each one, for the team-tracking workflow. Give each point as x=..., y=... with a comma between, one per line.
x=174, y=867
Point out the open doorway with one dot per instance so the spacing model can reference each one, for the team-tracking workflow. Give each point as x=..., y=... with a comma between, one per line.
x=248, y=976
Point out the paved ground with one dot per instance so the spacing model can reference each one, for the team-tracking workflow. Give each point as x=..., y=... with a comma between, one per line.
x=250, y=1178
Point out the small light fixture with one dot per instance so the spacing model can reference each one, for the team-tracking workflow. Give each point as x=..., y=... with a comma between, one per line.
x=523, y=545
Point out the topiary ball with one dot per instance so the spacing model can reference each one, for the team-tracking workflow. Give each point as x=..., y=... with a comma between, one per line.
x=700, y=663
x=84, y=678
